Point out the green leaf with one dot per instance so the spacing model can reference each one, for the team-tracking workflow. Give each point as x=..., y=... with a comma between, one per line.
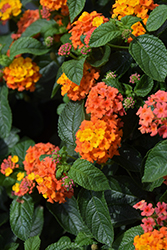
x=21, y=215
x=6, y=41
x=156, y=18
x=68, y=216
x=27, y=45
x=88, y=176
x=3, y=218
x=11, y=246
x=83, y=239
x=69, y=121
x=125, y=241
x=64, y=246
x=44, y=156
x=114, y=83
x=104, y=58
x=151, y=55
x=5, y=113
x=123, y=194
x=94, y=212
x=103, y=34
x=48, y=72
x=32, y=243
x=24, y=2
x=9, y=142
x=38, y=221
x=156, y=164
x=20, y=148
x=73, y=69
x=75, y=7
x=130, y=20
x=144, y=86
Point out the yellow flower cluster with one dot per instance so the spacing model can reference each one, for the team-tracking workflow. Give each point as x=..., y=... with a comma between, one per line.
x=9, y=8
x=137, y=8
x=22, y=74
x=155, y=240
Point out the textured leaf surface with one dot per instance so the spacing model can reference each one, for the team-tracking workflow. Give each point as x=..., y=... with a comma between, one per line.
x=64, y=246
x=32, y=243
x=125, y=241
x=75, y=7
x=68, y=216
x=144, y=86
x=5, y=113
x=73, y=69
x=103, y=34
x=8, y=143
x=156, y=164
x=69, y=121
x=38, y=221
x=21, y=215
x=130, y=20
x=27, y=45
x=94, y=212
x=88, y=176
x=156, y=18
x=151, y=55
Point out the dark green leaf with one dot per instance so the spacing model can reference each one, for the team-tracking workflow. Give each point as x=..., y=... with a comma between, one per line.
x=151, y=55
x=156, y=18
x=21, y=215
x=156, y=164
x=3, y=218
x=83, y=239
x=32, y=243
x=68, y=216
x=11, y=246
x=103, y=59
x=5, y=113
x=103, y=34
x=69, y=121
x=94, y=212
x=27, y=45
x=144, y=86
x=130, y=20
x=64, y=246
x=114, y=83
x=24, y=2
x=56, y=85
x=75, y=7
x=6, y=41
x=48, y=72
x=73, y=69
x=38, y=221
x=88, y=176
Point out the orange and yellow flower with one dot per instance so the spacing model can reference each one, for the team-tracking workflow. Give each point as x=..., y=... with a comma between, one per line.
x=99, y=139
x=21, y=74
x=85, y=25
x=77, y=92
x=9, y=164
x=53, y=4
x=9, y=8
x=152, y=240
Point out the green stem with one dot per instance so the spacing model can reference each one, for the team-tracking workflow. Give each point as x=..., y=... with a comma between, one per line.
x=73, y=56
x=71, y=157
x=118, y=46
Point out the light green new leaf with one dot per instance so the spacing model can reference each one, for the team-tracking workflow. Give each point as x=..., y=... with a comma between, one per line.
x=68, y=216
x=69, y=121
x=156, y=164
x=144, y=86
x=103, y=34
x=151, y=55
x=27, y=45
x=73, y=69
x=5, y=113
x=32, y=243
x=95, y=214
x=88, y=176
x=156, y=18
x=75, y=7
x=21, y=215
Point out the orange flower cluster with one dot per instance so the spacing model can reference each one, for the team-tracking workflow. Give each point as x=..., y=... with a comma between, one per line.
x=28, y=18
x=43, y=173
x=53, y=4
x=98, y=139
x=85, y=25
x=155, y=240
x=9, y=164
x=153, y=115
x=9, y=8
x=138, y=8
x=104, y=100
x=21, y=74
x=75, y=92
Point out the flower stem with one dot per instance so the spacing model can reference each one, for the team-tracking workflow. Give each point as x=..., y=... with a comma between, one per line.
x=118, y=46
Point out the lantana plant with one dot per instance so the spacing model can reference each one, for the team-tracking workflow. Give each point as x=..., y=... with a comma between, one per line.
x=83, y=125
